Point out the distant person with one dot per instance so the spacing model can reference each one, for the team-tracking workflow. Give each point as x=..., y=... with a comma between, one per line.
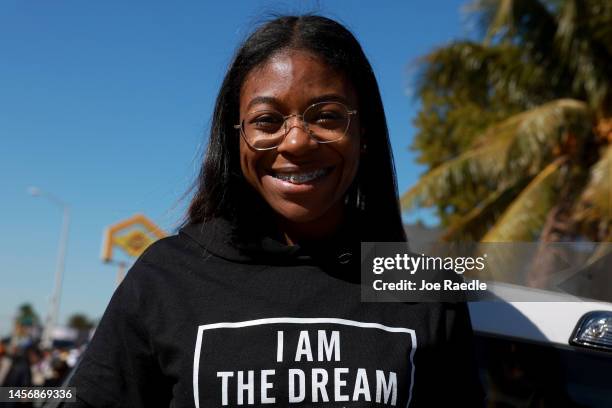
x=59, y=371
x=37, y=369
x=5, y=361
x=19, y=375
x=257, y=300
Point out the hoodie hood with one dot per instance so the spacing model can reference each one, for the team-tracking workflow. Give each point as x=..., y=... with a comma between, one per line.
x=259, y=245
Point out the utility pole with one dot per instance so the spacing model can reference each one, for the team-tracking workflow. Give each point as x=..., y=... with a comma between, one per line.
x=52, y=314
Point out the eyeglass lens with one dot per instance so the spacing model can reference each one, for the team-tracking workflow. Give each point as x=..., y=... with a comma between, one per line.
x=325, y=122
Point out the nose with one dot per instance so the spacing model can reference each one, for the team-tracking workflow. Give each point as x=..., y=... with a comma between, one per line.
x=297, y=141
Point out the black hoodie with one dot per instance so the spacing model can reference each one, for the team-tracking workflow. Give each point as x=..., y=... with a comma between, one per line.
x=203, y=319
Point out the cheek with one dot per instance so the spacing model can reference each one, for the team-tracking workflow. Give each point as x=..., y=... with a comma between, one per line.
x=248, y=164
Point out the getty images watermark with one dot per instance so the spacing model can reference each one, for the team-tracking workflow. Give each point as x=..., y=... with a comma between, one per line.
x=411, y=264
x=469, y=271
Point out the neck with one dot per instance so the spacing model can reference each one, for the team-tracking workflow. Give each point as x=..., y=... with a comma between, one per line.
x=320, y=228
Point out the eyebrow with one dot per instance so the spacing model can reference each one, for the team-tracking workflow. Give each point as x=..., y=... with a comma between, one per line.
x=270, y=100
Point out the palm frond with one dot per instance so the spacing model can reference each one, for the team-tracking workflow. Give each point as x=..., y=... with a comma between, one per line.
x=599, y=23
x=530, y=21
x=475, y=73
x=476, y=165
x=506, y=152
x=595, y=202
x=465, y=224
x=545, y=132
x=527, y=95
x=523, y=219
x=501, y=19
x=588, y=60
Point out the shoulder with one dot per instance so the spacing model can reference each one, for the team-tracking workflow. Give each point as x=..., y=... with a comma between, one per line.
x=162, y=262
x=163, y=249
x=170, y=252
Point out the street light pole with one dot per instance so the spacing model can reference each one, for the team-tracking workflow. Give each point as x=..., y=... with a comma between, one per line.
x=52, y=315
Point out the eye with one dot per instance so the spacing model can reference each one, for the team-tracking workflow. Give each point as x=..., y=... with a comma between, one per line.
x=327, y=116
x=328, y=119
x=266, y=122
x=267, y=119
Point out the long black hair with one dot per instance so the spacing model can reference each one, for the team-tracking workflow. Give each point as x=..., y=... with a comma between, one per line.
x=221, y=189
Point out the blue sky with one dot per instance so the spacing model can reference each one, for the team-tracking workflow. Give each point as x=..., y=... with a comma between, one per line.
x=106, y=105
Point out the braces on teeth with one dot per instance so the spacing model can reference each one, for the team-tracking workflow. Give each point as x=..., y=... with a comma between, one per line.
x=301, y=178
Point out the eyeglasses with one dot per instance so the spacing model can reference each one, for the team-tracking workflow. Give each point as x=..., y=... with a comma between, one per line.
x=325, y=122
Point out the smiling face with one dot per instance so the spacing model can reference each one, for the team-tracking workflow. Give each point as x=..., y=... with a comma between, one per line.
x=303, y=181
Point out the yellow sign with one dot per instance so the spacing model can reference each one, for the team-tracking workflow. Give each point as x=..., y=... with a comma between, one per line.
x=134, y=242
x=133, y=236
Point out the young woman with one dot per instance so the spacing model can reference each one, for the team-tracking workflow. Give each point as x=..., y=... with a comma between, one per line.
x=256, y=301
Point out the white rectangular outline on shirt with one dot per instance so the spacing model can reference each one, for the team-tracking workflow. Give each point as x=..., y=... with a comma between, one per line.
x=296, y=320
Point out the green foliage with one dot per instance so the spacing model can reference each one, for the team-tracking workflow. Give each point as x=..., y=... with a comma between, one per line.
x=525, y=216
x=496, y=115
x=80, y=321
x=594, y=207
x=26, y=316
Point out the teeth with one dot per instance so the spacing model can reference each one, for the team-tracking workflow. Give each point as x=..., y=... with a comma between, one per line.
x=299, y=178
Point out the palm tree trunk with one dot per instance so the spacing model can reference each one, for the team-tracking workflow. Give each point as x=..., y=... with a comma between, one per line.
x=558, y=227
x=548, y=259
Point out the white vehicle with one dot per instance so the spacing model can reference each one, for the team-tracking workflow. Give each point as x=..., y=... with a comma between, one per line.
x=541, y=348
x=556, y=352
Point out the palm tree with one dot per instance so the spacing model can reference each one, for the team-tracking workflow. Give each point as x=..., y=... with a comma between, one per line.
x=516, y=129
x=80, y=322
x=26, y=322
x=26, y=316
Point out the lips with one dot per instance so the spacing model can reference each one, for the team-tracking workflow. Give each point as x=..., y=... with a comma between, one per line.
x=301, y=177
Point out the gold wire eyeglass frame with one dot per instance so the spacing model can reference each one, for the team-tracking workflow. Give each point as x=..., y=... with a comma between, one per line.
x=350, y=112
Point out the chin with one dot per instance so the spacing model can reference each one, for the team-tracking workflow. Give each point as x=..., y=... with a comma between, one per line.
x=296, y=213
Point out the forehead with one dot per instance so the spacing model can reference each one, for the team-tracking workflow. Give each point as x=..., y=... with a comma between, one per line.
x=293, y=79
